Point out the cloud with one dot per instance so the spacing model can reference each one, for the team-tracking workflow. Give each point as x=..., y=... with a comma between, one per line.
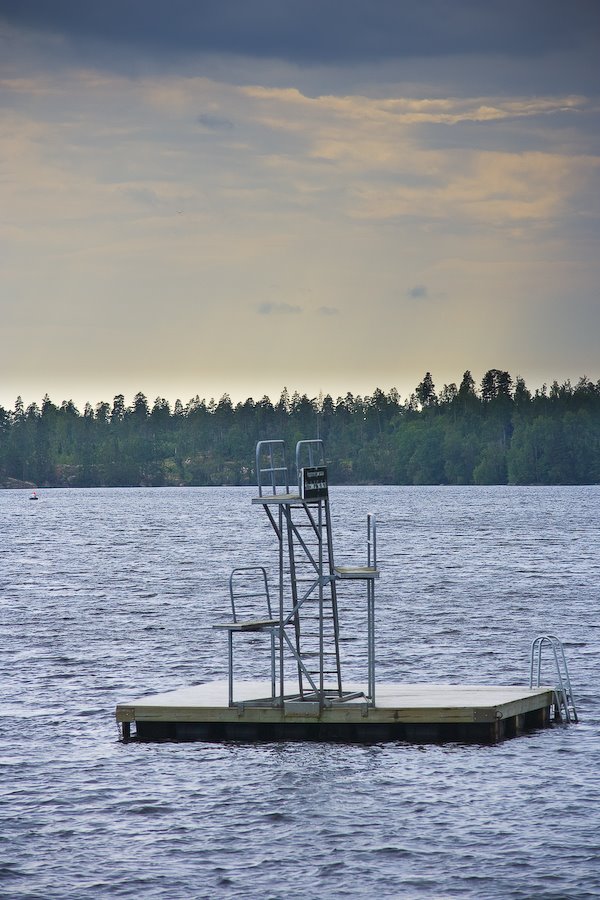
x=314, y=32
x=214, y=122
x=278, y=309
x=393, y=169
x=387, y=111
x=497, y=189
x=275, y=152
x=142, y=190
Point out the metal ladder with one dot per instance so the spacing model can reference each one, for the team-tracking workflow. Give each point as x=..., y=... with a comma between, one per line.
x=564, y=702
x=307, y=582
x=313, y=585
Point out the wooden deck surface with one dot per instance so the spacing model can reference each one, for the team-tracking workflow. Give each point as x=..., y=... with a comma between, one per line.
x=394, y=703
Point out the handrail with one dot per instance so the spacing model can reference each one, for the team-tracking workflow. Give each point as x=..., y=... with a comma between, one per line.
x=249, y=570
x=272, y=452
x=315, y=452
x=371, y=540
x=563, y=691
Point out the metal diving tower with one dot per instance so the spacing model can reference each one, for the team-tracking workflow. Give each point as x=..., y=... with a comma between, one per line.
x=303, y=622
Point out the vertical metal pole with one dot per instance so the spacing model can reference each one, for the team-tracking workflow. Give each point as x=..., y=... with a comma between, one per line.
x=532, y=661
x=333, y=592
x=371, y=637
x=272, y=466
x=230, y=655
x=321, y=658
x=273, y=678
x=539, y=661
x=281, y=609
x=369, y=673
x=371, y=562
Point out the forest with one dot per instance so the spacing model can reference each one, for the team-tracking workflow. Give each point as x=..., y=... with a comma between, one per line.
x=499, y=432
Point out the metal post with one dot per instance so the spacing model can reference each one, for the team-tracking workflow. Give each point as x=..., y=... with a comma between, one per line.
x=230, y=654
x=320, y=574
x=281, y=610
x=371, y=638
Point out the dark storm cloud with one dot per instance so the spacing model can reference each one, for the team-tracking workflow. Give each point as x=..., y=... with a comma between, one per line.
x=319, y=31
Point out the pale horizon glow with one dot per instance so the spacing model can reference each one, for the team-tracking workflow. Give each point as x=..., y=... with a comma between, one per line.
x=313, y=390
x=216, y=220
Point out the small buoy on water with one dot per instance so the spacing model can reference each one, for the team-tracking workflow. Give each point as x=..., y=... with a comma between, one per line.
x=34, y=496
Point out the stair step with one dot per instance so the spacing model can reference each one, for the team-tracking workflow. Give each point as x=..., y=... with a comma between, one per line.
x=326, y=618
x=309, y=634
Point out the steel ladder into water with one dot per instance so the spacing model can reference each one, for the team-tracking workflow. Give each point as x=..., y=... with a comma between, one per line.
x=564, y=702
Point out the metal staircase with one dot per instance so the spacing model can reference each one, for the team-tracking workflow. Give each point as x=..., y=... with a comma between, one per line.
x=312, y=582
x=308, y=607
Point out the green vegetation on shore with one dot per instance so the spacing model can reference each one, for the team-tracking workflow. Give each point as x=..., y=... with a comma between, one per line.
x=497, y=434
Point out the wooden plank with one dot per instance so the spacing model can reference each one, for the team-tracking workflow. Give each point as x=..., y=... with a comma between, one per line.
x=276, y=499
x=248, y=625
x=355, y=573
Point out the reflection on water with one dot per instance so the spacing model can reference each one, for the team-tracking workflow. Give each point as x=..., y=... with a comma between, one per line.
x=110, y=594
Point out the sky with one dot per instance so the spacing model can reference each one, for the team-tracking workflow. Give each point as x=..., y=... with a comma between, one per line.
x=200, y=197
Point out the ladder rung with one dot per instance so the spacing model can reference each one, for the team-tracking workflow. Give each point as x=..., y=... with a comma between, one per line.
x=308, y=577
x=317, y=618
x=322, y=671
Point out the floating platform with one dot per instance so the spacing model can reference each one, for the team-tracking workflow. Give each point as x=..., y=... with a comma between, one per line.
x=418, y=713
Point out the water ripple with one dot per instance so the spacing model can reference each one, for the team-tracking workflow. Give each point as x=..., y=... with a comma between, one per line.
x=110, y=594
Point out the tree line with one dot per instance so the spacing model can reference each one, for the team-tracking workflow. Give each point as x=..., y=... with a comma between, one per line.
x=496, y=433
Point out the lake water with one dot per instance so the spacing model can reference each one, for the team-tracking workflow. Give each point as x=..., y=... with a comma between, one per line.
x=106, y=595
